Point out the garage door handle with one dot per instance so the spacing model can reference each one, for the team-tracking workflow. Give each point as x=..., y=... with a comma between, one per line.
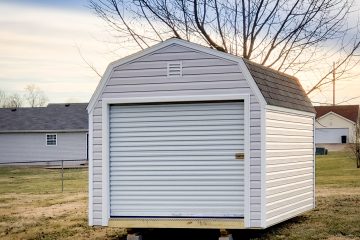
x=239, y=156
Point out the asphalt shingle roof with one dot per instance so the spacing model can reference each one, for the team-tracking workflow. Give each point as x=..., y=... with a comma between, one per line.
x=350, y=112
x=280, y=89
x=62, y=117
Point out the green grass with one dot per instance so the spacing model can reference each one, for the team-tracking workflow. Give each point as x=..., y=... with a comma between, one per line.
x=41, y=180
x=33, y=207
x=337, y=213
x=337, y=170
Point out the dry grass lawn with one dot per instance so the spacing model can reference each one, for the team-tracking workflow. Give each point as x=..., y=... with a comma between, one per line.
x=33, y=207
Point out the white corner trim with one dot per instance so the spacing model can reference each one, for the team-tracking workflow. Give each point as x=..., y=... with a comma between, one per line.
x=245, y=71
x=314, y=163
x=90, y=171
x=263, y=167
x=289, y=111
x=100, y=87
x=247, y=222
x=105, y=165
x=337, y=115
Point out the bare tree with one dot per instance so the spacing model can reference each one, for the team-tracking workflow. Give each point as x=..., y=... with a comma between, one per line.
x=14, y=101
x=355, y=145
x=34, y=96
x=2, y=98
x=274, y=33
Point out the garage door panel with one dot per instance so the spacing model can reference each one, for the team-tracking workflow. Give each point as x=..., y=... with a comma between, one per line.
x=175, y=148
x=227, y=153
x=174, y=161
x=179, y=188
x=185, y=107
x=178, y=168
x=160, y=194
x=207, y=212
x=191, y=129
x=118, y=184
x=174, y=143
x=174, y=178
x=177, y=173
x=178, y=139
x=190, y=133
x=177, y=160
x=330, y=135
x=175, y=123
x=183, y=116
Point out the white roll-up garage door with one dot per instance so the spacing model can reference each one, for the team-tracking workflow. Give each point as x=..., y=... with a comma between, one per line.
x=177, y=160
x=330, y=135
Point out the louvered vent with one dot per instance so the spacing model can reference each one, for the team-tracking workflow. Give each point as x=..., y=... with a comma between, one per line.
x=174, y=69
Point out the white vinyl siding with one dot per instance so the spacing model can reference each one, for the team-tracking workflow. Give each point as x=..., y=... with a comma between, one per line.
x=289, y=165
x=28, y=147
x=177, y=160
x=202, y=74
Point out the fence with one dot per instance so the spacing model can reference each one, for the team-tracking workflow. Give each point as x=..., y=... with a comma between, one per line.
x=52, y=164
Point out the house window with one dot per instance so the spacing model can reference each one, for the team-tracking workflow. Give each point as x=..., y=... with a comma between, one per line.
x=51, y=139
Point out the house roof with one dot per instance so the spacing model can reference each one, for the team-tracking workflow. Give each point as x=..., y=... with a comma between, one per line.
x=276, y=88
x=350, y=112
x=54, y=117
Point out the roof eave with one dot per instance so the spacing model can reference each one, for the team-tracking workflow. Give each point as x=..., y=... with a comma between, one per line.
x=44, y=131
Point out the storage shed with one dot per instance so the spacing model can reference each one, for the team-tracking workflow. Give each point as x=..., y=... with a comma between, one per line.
x=184, y=136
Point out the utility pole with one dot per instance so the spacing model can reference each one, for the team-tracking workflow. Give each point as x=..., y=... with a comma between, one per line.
x=333, y=82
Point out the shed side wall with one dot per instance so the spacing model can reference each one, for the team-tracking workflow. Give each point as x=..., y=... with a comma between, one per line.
x=289, y=165
x=27, y=147
x=202, y=74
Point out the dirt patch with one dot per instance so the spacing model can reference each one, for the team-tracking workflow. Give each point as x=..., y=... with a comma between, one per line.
x=342, y=238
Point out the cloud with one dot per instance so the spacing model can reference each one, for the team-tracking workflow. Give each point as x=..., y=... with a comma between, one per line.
x=41, y=45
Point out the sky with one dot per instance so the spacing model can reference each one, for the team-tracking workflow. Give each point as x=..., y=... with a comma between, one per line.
x=45, y=42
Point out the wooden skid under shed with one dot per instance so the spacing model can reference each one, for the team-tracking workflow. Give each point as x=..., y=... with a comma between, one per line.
x=208, y=223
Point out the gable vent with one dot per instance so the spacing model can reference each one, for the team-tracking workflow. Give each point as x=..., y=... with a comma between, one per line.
x=174, y=69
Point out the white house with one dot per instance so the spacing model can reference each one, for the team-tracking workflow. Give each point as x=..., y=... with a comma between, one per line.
x=184, y=136
x=43, y=134
x=335, y=122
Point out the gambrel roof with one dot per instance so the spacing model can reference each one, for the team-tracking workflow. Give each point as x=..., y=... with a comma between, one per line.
x=279, y=89
x=272, y=87
x=55, y=117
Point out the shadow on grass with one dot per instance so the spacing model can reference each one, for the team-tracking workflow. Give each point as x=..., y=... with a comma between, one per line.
x=213, y=234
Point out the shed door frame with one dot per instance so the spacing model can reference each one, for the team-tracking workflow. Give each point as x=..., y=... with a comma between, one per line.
x=106, y=102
